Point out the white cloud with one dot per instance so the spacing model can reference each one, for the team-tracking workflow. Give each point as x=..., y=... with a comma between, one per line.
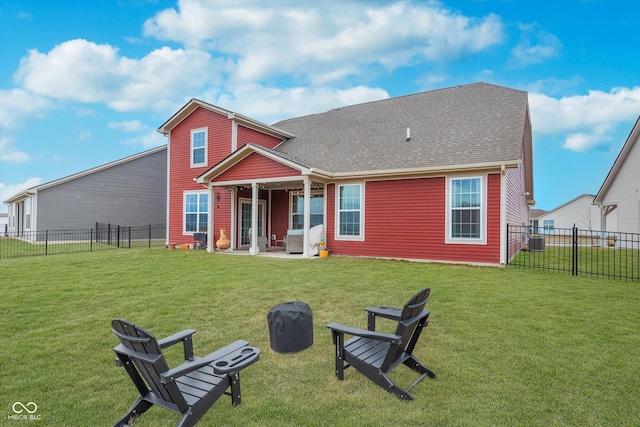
x=7, y=191
x=586, y=120
x=535, y=46
x=129, y=126
x=79, y=70
x=148, y=140
x=148, y=137
x=320, y=41
x=17, y=105
x=9, y=153
x=270, y=104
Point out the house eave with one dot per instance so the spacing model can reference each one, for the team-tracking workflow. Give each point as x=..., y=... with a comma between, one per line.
x=426, y=170
x=194, y=103
x=259, y=126
x=617, y=164
x=241, y=154
x=19, y=197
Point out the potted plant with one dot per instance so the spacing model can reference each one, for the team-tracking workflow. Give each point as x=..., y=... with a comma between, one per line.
x=324, y=252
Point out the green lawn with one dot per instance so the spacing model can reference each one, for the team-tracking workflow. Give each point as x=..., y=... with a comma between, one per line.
x=511, y=347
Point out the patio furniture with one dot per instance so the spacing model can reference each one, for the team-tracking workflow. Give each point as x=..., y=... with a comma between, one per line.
x=375, y=354
x=290, y=327
x=189, y=389
x=295, y=239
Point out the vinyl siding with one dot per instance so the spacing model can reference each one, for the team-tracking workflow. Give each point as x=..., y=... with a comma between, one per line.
x=517, y=210
x=256, y=166
x=246, y=135
x=625, y=192
x=180, y=171
x=128, y=194
x=406, y=219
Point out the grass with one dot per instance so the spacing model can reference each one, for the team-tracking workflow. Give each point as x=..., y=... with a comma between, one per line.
x=15, y=248
x=511, y=347
x=603, y=261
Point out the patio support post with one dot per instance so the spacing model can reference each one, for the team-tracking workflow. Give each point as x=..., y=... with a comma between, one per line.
x=307, y=216
x=254, y=218
x=210, y=239
x=234, y=222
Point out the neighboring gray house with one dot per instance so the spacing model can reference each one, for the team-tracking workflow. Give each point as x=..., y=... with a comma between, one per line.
x=619, y=196
x=129, y=192
x=579, y=212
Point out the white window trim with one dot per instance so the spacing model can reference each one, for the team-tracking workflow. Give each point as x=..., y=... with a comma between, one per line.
x=262, y=205
x=301, y=193
x=184, y=210
x=337, y=235
x=28, y=214
x=206, y=144
x=482, y=240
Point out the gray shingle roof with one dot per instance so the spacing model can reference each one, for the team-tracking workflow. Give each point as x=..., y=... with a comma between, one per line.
x=461, y=125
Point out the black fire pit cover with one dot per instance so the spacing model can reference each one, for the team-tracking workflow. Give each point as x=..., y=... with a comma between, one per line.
x=290, y=327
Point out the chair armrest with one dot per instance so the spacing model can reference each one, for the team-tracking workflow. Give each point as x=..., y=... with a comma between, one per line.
x=182, y=336
x=199, y=362
x=380, y=336
x=175, y=338
x=386, y=312
x=237, y=360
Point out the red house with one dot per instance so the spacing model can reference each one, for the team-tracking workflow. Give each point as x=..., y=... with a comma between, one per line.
x=433, y=176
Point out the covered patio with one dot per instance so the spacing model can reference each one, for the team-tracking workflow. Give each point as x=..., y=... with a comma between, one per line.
x=268, y=195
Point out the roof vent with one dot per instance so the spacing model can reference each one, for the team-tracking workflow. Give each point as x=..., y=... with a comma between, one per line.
x=408, y=134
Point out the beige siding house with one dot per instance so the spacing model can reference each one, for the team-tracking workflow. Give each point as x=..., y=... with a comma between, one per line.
x=619, y=196
x=579, y=212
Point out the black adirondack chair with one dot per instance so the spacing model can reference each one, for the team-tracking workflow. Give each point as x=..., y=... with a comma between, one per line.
x=191, y=388
x=375, y=354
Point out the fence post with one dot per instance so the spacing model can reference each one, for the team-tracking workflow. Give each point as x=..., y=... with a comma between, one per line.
x=91, y=240
x=507, y=246
x=46, y=241
x=129, y=237
x=574, y=252
x=109, y=234
x=149, y=236
x=118, y=237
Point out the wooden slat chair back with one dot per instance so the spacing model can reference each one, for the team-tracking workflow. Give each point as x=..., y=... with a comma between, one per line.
x=375, y=354
x=189, y=389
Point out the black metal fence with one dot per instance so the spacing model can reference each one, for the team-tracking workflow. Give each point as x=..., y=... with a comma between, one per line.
x=102, y=237
x=577, y=252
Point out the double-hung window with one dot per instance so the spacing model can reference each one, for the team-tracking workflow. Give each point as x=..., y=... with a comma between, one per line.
x=297, y=210
x=350, y=223
x=465, y=209
x=548, y=224
x=27, y=214
x=198, y=147
x=196, y=212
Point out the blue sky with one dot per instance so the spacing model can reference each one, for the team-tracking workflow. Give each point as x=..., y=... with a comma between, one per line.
x=82, y=84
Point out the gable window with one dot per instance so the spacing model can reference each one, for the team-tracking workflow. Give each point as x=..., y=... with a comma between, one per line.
x=297, y=210
x=465, y=208
x=350, y=210
x=199, y=147
x=196, y=212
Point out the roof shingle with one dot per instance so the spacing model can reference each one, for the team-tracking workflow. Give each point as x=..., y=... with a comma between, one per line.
x=461, y=125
